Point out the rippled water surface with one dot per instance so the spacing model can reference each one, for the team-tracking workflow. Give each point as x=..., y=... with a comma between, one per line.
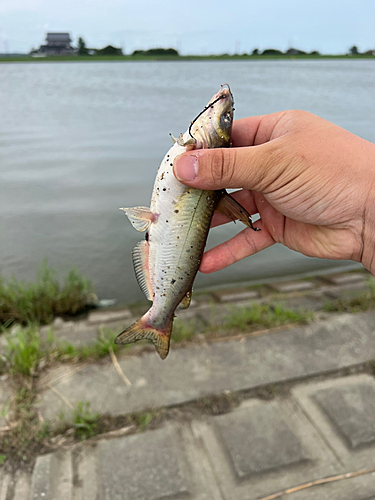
x=80, y=140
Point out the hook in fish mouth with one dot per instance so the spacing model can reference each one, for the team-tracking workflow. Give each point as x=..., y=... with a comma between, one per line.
x=209, y=105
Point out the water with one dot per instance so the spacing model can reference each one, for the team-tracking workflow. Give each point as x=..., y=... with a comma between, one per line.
x=80, y=140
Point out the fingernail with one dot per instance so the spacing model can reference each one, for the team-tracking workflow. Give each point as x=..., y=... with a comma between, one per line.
x=186, y=167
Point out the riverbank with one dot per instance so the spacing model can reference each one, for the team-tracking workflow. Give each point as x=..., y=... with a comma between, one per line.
x=223, y=57
x=297, y=389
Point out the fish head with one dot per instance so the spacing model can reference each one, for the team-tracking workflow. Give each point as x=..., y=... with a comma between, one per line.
x=213, y=126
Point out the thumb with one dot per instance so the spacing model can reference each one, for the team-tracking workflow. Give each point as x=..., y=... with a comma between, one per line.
x=246, y=167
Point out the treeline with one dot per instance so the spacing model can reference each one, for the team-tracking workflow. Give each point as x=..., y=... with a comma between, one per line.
x=110, y=50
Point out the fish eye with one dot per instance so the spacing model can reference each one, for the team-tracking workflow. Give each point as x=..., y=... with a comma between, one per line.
x=226, y=120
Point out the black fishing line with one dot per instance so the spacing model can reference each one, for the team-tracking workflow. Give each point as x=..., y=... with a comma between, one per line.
x=203, y=111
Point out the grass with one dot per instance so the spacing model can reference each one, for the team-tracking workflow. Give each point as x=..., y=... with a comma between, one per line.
x=27, y=352
x=363, y=302
x=263, y=316
x=183, y=330
x=28, y=433
x=85, y=422
x=45, y=299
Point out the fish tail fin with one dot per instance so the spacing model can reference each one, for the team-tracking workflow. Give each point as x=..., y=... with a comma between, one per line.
x=141, y=330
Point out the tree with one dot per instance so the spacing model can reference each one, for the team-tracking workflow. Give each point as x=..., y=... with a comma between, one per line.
x=354, y=50
x=271, y=52
x=255, y=52
x=156, y=52
x=109, y=50
x=82, y=50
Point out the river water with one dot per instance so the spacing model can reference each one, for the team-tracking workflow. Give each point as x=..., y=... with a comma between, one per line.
x=80, y=140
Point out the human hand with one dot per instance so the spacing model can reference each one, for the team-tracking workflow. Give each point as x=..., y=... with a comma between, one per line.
x=311, y=181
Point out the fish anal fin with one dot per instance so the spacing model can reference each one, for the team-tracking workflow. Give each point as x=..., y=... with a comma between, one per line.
x=141, y=330
x=141, y=268
x=185, y=302
x=229, y=207
x=140, y=217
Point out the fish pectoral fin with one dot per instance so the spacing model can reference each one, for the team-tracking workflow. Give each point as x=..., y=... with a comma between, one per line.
x=185, y=302
x=174, y=139
x=229, y=207
x=190, y=143
x=141, y=330
x=141, y=268
x=140, y=217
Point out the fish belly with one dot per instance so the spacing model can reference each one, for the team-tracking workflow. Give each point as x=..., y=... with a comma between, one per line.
x=177, y=242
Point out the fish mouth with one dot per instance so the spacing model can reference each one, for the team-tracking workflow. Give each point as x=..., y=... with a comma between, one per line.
x=224, y=92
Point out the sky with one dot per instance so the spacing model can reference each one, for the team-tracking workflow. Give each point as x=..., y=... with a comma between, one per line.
x=194, y=27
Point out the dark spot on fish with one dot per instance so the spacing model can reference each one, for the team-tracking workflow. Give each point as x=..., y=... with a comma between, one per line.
x=164, y=189
x=146, y=236
x=191, y=257
x=176, y=211
x=162, y=176
x=171, y=164
x=173, y=282
x=188, y=250
x=178, y=237
x=166, y=221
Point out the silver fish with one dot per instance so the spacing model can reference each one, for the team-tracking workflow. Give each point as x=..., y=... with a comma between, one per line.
x=177, y=225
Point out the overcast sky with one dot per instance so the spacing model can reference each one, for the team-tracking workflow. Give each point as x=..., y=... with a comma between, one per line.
x=194, y=27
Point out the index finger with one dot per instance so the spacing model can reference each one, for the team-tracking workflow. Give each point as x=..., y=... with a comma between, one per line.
x=254, y=130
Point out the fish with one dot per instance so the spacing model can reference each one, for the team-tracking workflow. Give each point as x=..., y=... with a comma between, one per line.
x=177, y=224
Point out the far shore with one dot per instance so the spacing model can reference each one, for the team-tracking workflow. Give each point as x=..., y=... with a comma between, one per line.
x=223, y=57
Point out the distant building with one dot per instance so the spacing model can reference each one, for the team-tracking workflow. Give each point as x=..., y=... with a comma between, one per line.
x=58, y=44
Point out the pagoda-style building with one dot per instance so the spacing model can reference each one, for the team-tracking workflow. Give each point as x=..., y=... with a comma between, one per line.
x=58, y=44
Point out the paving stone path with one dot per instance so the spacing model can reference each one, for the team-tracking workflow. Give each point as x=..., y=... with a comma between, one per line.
x=322, y=424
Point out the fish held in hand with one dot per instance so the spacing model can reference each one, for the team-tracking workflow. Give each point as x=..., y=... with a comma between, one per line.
x=177, y=225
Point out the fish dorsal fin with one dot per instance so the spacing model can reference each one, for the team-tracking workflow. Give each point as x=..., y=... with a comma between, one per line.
x=185, y=302
x=141, y=268
x=140, y=217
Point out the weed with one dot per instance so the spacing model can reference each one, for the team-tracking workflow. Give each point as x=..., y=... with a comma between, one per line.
x=2, y=459
x=97, y=350
x=41, y=301
x=143, y=420
x=183, y=330
x=84, y=421
x=25, y=349
x=27, y=433
x=362, y=302
x=264, y=316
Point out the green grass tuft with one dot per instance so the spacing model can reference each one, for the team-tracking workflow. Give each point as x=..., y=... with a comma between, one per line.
x=84, y=421
x=41, y=301
x=183, y=330
x=263, y=316
x=24, y=351
x=363, y=302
